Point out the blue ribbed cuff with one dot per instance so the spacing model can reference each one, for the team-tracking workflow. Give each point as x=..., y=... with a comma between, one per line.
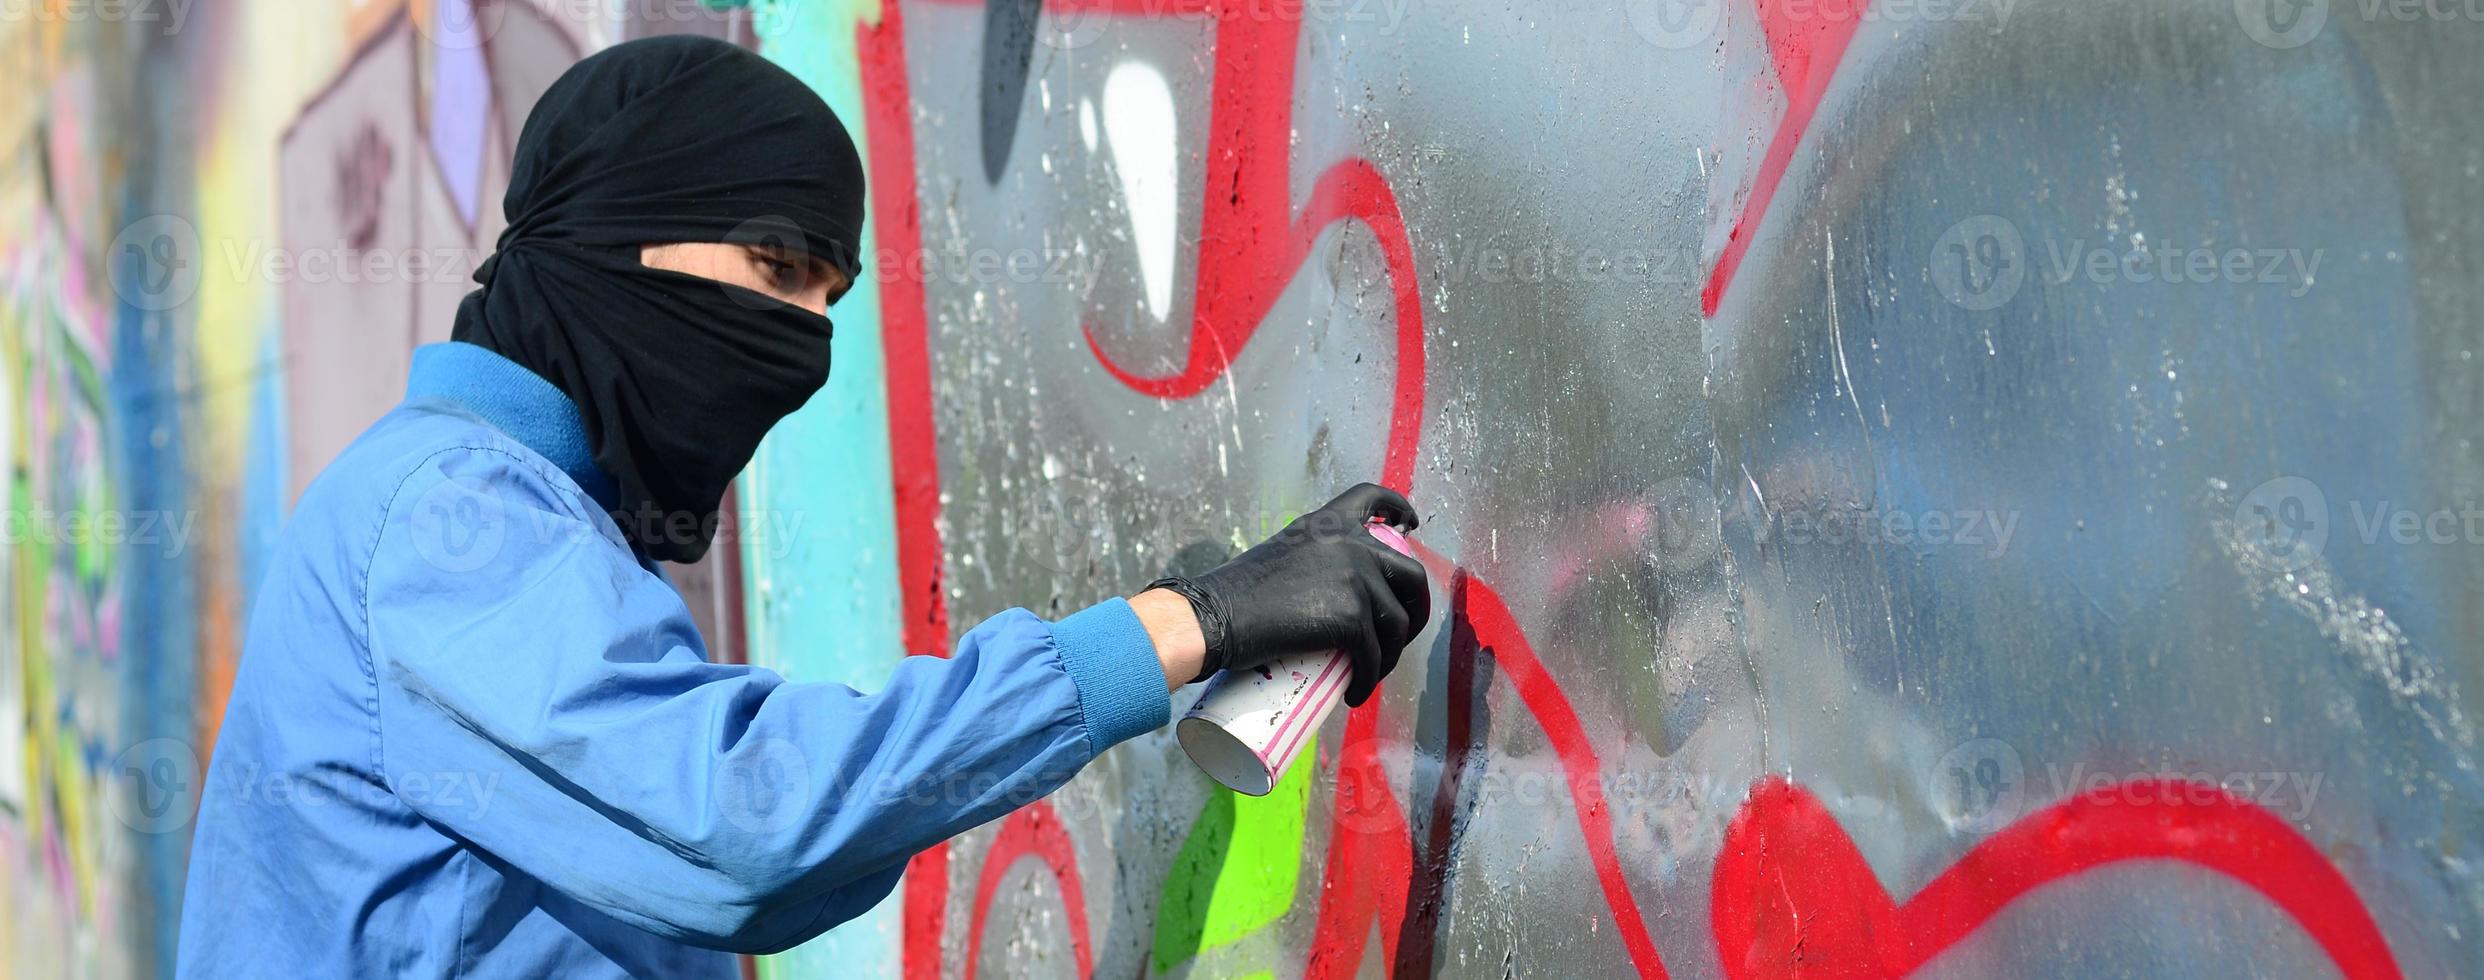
x=1121, y=689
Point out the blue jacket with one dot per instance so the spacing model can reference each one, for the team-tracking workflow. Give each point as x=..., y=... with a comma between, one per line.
x=473, y=734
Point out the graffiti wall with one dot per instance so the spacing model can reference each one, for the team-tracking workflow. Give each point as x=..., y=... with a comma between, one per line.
x=1979, y=489
x=223, y=226
x=78, y=370
x=1974, y=489
x=396, y=170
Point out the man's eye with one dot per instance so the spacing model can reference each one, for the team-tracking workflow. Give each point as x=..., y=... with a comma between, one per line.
x=782, y=275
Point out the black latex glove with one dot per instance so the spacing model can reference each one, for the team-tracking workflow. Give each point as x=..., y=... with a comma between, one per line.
x=1323, y=583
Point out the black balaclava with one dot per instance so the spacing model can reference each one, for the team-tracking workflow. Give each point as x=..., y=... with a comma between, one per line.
x=676, y=377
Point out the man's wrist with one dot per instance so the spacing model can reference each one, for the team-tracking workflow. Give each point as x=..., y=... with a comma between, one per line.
x=1173, y=626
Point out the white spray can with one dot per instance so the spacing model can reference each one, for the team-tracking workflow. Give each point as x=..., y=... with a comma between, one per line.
x=1248, y=726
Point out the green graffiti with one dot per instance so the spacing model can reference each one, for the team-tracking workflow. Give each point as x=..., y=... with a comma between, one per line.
x=1237, y=870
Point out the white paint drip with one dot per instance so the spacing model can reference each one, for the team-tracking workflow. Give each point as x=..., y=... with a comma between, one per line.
x=2363, y=633
x=1138, y=116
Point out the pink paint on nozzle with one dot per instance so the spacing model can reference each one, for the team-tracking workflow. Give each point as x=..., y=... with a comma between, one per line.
x=1250, y=724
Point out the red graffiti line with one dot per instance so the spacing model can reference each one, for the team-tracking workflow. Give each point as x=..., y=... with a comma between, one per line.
x=1794, y=898
x=1497, y=630
x=1370, y=856
x=1805, y=42
x=1246, y=231
x=1033, y=831
x=897, y=217
x=1477, y=612
x=897, y=229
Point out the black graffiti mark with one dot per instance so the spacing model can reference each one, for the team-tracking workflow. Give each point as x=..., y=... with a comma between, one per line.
x=1008, y=51
x=1463, y=719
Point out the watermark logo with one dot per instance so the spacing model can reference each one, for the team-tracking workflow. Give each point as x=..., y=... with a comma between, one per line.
x=459, y=525
x=2282, y=24
x=1074, y=503
x=433, y=791
x=2284, y=523
x=1676, y=24
x=1682, y=24
x=1980, y=262
x=1984, y=786
x=170, y=13
x=154, y=264
x=781, y=249
x=170, y=531
x=1069, y=29
x=462, y=25
x=1980, y=786
x=773, y=20
x=157, y=786
x=1365, y=803
x=1982, y=529
x=159, y=262
x=766, y=786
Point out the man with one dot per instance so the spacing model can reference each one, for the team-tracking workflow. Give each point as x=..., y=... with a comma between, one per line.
x=474, y=731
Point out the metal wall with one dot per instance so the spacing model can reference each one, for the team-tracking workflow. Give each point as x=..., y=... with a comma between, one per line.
x=1984, y=487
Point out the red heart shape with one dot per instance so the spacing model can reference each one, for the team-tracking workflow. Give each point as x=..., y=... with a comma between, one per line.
x=1792, y=897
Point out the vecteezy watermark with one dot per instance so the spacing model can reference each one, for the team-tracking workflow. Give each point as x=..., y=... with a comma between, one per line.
x=2292, y=268
x=2397, y=523
x=2287, y=523
x=468, y=24
x=1984, y=785
x=463, y=523
x=466, y=792
x=154, y=786
x=169, y=13
x=169, y=530
x=242, y=260
x=1367, y=803
x=1988, y=531
x=159, y=262
x=768, y=532
x=1088, y=528
x=1980, y=786
x=2283, y=523
x=1492, y=263
x=1072, y=26
x=1676, y=24
x=2283, y=24
x=154, y=263
x=958, y=265
x=1982, y=261
x=764, y=786
x=1681, y=24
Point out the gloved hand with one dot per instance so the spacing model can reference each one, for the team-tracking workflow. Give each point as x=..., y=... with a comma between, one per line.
x=1323, y=583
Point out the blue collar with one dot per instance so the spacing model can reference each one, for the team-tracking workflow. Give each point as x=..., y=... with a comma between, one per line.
x=514, y=400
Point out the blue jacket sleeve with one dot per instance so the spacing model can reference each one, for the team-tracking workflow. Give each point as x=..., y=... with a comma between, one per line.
x=516, y=644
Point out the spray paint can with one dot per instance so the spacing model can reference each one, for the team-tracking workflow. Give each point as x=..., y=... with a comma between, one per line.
x=1248, y=726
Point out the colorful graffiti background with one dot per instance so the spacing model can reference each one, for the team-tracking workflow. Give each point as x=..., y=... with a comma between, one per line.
x=1910, y=488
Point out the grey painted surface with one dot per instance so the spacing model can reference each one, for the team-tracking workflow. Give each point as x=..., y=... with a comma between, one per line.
x=1714, y=528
